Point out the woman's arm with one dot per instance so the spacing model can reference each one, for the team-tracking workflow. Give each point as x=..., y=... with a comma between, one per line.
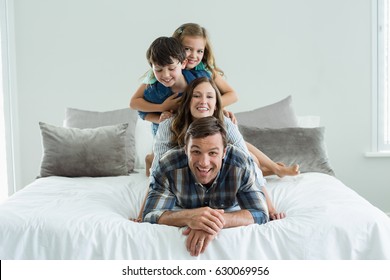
x=234, y=136
x=162, y=142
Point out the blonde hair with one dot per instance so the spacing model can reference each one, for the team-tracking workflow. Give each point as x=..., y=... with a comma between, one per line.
x=193, y=29
x=183, y=118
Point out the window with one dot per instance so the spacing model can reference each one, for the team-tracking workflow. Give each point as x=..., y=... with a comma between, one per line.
x=381, y=78
x=4, y=110
x=3, y=160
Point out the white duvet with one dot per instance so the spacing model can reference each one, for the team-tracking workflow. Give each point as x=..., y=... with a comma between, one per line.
x=88, y=218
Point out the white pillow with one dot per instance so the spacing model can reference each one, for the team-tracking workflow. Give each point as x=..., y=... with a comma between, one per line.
x=308, y=121
x=143, y=142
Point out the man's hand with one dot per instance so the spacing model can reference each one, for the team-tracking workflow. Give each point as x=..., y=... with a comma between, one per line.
x=197, y=240
x=206, y=219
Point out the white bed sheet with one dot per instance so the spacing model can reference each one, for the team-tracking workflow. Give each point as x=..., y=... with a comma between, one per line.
x=87, y=218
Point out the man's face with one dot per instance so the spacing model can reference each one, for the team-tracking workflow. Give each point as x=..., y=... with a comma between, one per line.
x=205, y=157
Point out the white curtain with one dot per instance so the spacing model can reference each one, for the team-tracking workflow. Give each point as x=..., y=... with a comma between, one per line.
x=3, y=160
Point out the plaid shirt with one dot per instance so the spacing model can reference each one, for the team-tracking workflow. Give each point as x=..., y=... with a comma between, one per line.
x=162, y=142
x=173, y=187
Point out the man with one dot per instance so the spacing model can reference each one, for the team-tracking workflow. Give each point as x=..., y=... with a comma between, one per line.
x=201, y=185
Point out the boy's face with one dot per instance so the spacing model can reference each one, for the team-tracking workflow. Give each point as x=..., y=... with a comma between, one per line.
x=168, y=74
x=205, y=157
x=194, y=46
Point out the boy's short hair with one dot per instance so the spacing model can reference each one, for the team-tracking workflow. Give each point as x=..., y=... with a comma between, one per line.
x=163, y=50
x=207, y=126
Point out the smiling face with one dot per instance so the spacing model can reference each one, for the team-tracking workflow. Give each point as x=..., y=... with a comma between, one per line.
x=194, y=47
x=205, y=157
x=203, y=101
x=169, y=74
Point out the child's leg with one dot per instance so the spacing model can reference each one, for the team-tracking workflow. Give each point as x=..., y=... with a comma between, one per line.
x=148, y=163
x=139, y=217
x=273, y=215
x=269, y=167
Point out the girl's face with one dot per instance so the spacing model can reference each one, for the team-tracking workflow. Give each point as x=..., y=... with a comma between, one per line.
x=203, y=101
x=168, y=74
x=194, y=46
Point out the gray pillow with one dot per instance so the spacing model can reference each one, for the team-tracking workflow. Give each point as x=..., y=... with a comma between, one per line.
x=277, y=115
x=91, y=119
x=74, y=152
x=304, y=146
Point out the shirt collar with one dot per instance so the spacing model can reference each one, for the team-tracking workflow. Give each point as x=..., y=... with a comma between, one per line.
x=212, y=184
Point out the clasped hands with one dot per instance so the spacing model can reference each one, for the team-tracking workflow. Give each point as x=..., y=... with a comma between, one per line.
x=203, y=226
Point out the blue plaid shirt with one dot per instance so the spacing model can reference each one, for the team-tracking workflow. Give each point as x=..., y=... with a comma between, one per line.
x=173, y=187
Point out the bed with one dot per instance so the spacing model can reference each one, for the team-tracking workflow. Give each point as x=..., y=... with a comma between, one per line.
x=87, y=217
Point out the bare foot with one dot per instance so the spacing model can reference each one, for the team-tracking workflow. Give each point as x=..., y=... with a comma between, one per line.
x=283, y=170
x=137, y=220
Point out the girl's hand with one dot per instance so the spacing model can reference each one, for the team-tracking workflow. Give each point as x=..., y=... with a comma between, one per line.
x=171, y=103
x=165, y=115
x=230, y=115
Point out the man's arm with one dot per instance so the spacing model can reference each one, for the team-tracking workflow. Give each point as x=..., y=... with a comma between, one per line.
x=251, y=198
x=206, y=219
x=238, y=218
x=159, y=198
x=249, y=192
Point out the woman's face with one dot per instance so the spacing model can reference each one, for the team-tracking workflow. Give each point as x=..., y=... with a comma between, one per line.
x=194, y=46
x=203, y=101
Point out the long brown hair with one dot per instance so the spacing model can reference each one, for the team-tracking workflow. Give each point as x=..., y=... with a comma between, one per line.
x=183, y=118
x=195, y=30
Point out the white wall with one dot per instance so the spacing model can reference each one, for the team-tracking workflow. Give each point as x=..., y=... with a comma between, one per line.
x=90, y=54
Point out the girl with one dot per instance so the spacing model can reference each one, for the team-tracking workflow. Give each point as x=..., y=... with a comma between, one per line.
x=200, y=56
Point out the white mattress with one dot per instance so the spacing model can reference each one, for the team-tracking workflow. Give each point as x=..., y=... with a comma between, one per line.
x=88, y=218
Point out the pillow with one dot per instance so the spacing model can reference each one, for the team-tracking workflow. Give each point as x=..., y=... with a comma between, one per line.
x=277, y=115
x=89, y=119
x=304, y=146
x=308, y=121
x=74, y=152
x=143, y=142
